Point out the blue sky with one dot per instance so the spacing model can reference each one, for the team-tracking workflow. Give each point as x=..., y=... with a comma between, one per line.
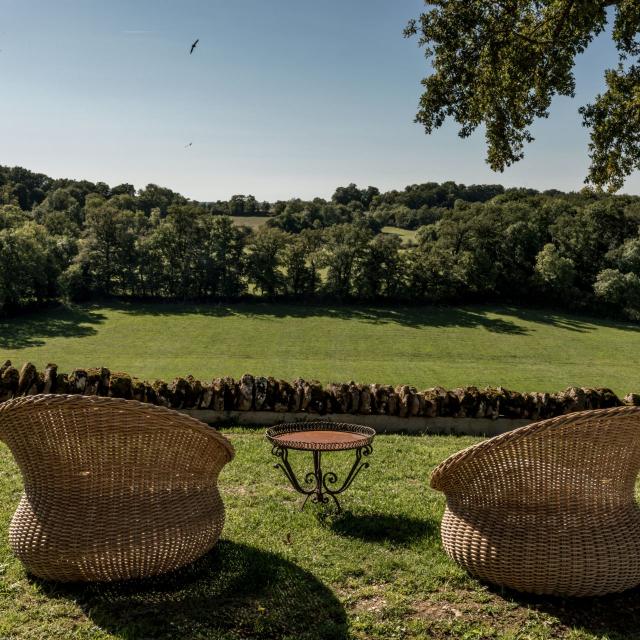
x=285, y=98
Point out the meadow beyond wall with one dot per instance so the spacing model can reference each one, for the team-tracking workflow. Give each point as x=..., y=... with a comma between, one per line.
x=264, y=400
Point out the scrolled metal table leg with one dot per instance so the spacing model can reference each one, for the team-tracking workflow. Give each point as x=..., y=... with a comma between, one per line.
x=320, y=490
x=283, y=454
x=331, y=478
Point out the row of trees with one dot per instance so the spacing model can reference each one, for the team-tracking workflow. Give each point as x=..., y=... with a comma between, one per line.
x=416, y=205
x=83, y=240
x=534, y=249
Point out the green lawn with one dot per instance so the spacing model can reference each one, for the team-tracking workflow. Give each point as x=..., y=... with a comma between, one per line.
x=377, y=572
x=521, y=349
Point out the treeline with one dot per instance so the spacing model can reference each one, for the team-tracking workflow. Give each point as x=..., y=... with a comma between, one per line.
x=79, y=240
x=417, y=205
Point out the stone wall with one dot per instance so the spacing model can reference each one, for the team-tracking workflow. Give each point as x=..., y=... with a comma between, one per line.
x=256, y=393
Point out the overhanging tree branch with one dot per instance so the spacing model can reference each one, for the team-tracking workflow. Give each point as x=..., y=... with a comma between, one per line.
x=501, y=63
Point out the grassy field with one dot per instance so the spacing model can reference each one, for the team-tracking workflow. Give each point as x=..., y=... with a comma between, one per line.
x=408, y=236
x=250, y=221
x=520, y=349
x=376, y=572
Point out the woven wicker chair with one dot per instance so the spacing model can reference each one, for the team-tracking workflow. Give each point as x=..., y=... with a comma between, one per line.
x=548, y=508
x=114, y=489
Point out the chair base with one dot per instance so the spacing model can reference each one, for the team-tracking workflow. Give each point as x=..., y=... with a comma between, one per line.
x=64, y=555
x=544, y=552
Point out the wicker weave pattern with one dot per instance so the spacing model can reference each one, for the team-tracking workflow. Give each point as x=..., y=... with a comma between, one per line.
x=114, y=489
x=549, y=508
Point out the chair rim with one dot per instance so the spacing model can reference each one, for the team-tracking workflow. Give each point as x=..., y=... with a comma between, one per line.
x=52, y=399
x=438, y=475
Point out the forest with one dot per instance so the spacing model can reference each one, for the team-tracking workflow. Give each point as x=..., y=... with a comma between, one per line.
x=80, y=241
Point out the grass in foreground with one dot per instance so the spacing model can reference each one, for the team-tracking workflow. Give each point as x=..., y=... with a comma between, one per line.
x=377, y=572
x=526, y=350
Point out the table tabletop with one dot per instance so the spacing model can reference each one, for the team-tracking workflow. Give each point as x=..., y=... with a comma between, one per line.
x=321, y=436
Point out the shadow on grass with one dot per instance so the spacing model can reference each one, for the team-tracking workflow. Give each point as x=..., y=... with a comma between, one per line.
x=416, y=316
x=234, y=591
x=32, y=329
x=380, y=527
x=408, y=316
x=561, y=320
x=611, y=616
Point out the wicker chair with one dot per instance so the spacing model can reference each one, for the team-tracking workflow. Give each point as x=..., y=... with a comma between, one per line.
x=114, y=489
x=548, y=508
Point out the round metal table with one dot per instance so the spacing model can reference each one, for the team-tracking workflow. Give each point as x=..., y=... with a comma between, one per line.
x=319, y=437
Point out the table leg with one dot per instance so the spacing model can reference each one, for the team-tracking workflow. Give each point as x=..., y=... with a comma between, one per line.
x=284, y=465
x=320, y=489
x=317, y=472
x=332, y=478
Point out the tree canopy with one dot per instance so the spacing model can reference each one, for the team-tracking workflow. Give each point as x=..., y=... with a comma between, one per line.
x=473, y=243
x=500, y=63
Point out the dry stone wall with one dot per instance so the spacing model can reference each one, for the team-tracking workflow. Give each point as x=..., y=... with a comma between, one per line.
x=256, y=393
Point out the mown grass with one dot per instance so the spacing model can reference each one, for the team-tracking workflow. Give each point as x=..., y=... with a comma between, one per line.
x=425, y=346
x=377, y=572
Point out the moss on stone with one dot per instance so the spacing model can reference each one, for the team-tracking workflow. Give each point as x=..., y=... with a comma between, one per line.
x=120, y=385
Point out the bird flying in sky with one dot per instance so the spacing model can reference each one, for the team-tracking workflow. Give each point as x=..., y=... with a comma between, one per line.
x=188, y=145
x=193, y=46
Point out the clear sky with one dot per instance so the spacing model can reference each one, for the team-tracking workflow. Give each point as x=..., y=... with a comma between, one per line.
x=282, y=98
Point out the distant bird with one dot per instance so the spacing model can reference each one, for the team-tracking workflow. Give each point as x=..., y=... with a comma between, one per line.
x=188, y=145
x=193, y=46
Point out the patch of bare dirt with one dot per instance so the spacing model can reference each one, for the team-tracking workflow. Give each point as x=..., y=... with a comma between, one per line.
x=371, y=599
x=491, y=609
